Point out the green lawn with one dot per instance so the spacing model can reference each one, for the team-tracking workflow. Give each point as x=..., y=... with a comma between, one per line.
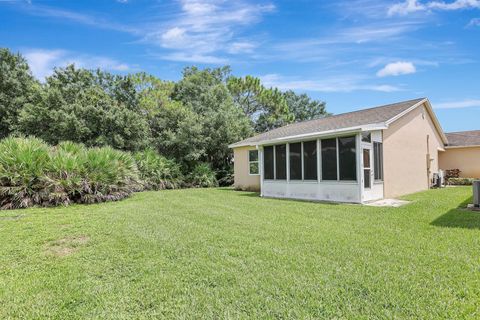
x=217, y=253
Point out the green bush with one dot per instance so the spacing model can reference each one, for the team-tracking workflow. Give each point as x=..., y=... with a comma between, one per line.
x=109, y=175
x=202, y=176
x=33, y=173
x=225, y=178
x=460, y=181
x=23, y=164
x=157, y=172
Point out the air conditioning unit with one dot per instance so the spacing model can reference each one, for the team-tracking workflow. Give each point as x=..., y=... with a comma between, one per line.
x=476, y=193
x=441, y=176
x=438, y=179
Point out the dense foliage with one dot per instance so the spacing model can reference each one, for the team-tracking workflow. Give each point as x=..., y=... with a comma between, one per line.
x=89, y=107
x=18, y=89
x=202, y=176
x=184, y=127
x=460, y=181
x=157, y=172
x=34, y=173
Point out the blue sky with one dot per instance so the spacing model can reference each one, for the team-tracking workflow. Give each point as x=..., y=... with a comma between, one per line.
x=351, y=54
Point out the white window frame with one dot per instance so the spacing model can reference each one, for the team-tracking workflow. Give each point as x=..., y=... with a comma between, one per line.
x=250, y=162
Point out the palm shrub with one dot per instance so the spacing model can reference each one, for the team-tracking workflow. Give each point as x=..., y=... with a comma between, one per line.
x=157, y=172
x=202, y=176
x=22, y=167
x=109, y=175
x=33, y=173
x=65, y=173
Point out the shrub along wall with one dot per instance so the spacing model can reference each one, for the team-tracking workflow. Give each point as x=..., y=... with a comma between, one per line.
x=32, y=173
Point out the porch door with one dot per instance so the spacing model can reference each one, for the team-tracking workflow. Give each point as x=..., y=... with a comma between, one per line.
x=367, y=168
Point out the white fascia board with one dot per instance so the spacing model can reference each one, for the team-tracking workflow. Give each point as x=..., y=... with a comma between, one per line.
x=461, y=147
x=436, y=122
x=430, y=112
x=319, y=134
x=322, y=134
x=398, y=116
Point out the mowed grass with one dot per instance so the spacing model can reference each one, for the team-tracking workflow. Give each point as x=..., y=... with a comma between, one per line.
x=218, y=253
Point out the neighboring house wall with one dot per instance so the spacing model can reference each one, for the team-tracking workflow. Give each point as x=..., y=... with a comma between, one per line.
x=243, y=180
x=405, y=148
x=467, y=160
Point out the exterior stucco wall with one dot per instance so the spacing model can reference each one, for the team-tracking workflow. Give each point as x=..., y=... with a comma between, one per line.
x=465, y=159
x=407, y=143
x=243, y=180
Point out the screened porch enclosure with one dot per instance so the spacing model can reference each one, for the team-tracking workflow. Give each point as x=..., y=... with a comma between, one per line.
x=329, y=169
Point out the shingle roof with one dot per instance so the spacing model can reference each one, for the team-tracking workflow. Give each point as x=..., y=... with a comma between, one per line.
x=345, y=120
x=463, y=138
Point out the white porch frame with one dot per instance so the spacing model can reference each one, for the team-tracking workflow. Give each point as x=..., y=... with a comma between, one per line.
x=318, y=190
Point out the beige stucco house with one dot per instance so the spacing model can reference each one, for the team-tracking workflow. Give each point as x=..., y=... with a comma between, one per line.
x=360, y=156
x=463, y=153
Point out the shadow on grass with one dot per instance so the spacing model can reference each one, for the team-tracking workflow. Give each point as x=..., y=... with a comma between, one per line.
x=243, y=193
x=254, y=194
x=249, y=194
x=459, y=217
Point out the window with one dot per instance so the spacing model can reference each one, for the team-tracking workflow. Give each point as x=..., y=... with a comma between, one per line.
x=310, y=160
x=281, y=162
x=253, y=162
x=329, y=159
x=366, y=136
x=268, y=162
x=295, y=161
x=378, y=160
x=347, y=158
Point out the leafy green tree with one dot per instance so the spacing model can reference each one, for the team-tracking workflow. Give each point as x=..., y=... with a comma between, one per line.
x=303, y=107
x=176, y=130
x=17, y=89
x=89, y=107
x=266, y=108
x=205, y=93
x=122, y=89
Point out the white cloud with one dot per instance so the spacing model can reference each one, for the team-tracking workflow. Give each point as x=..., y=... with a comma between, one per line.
x=241, y=47
x=46, y=11
x=411, y=6
x=174, y=37
x=208, y=29
x=469, y=103
x=396, y=69
x=183, y=57
x=42, y=62
x=333, y=84
x=475, y=22
x=406, y=7
x=454, y=5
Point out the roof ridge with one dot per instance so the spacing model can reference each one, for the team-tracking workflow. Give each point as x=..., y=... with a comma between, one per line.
x=368, y=116
x=366, y=109
x=340, y=114
x=462, y=132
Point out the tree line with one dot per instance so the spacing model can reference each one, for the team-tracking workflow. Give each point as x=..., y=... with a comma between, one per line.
x=191, y=121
